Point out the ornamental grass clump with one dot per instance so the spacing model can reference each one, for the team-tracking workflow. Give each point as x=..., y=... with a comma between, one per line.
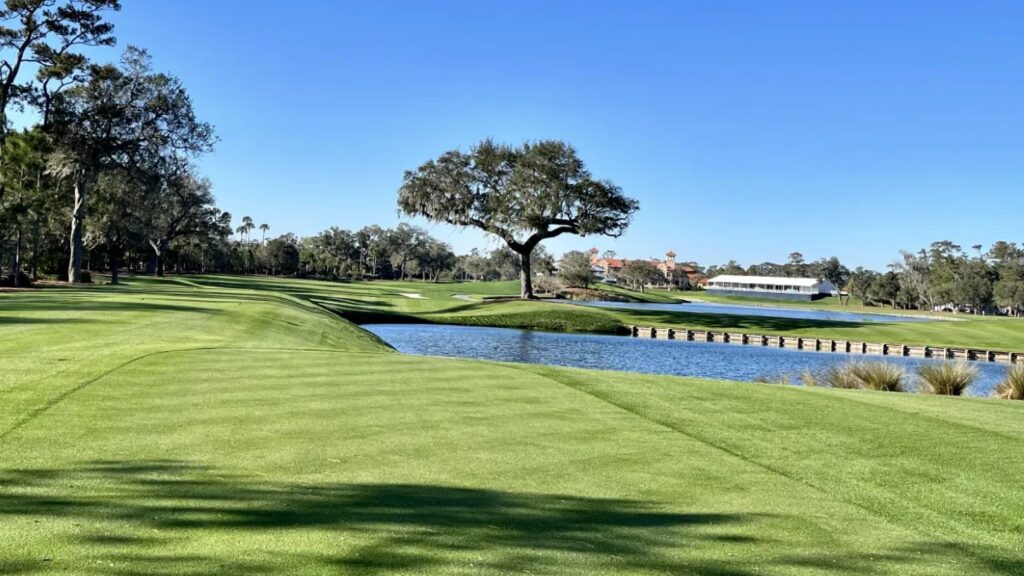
x=841, y=376
x=947, y=378
x=1013, y=387
x=880, y=376
x=810, y=379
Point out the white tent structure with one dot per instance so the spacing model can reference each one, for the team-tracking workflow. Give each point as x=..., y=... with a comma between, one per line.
x=771, y=287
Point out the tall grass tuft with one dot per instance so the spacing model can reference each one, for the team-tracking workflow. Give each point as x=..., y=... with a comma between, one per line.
x=809, y=379
x=841, y=376
x=783, y=379
x=879, y=376
x=947, y=378
x=1013, y=387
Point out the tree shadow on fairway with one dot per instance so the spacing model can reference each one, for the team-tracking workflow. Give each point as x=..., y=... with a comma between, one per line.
x=89, y=302
x=142, y=511
x=169, y=517
x=8, y=320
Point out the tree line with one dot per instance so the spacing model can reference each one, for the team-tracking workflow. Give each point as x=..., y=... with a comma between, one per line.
x=943, y=276
x=107, y=171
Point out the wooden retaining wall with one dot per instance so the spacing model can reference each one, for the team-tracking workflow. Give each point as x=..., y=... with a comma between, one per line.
x=825, y=345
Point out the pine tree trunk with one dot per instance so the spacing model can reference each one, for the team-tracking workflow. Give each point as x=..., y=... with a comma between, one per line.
x=34, y=264
x=114, y=264
x=77, y=221
x=16, y=269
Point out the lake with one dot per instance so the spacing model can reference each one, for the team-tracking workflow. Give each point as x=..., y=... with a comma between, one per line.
x=772, y=311
x=679, y=358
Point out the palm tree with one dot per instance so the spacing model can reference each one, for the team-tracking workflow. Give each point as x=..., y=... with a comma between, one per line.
x=248, y=225
x=264, y=228
x=242, y=232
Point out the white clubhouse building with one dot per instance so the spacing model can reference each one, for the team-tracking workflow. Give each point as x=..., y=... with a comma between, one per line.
x=771, y=287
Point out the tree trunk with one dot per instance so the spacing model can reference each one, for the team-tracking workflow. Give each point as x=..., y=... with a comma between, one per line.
x=16, y=268
x=77, y=221
x=34, y=264
x=158, y=253
x=114, y=264
x=525, y=276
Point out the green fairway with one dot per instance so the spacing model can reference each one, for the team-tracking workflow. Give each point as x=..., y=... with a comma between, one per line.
x=476, y=305
x=225, y=425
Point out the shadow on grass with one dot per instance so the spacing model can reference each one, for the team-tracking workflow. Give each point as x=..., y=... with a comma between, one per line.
x=170, y=517
x=7, y=320
x=143, y=510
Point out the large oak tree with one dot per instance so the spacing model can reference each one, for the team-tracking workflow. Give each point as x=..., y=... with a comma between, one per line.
x=523, y=195
x=126, y=118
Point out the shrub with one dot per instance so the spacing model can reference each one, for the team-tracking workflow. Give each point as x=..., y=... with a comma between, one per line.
x=809, y=379
x=1013, y=387
x=947, y=378
x=880, y=376
x=841, y=377
x=23, y=281
x=547, y=284
x=783, y=379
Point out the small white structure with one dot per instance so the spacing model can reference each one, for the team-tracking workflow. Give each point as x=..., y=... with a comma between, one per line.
x=771, y=287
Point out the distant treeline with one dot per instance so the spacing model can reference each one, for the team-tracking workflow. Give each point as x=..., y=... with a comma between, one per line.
x=943, y=276
x=372, y=252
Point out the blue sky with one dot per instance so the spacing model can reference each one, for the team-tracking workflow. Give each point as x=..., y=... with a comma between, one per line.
x=747, y=130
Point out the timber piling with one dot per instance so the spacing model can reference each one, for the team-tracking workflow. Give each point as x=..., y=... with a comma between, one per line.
x=827, y=345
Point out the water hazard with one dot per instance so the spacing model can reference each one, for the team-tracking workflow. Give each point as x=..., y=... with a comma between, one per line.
x=679, y=358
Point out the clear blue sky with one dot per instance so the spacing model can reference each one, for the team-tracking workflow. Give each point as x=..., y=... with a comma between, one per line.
x=747, y=130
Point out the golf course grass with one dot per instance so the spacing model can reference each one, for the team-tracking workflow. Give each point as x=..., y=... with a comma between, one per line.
x=227, y=425
x=479, y=303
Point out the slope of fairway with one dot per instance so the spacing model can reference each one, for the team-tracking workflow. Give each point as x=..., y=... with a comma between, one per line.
x=57, y=339
x=176, y=429
x=388, y=301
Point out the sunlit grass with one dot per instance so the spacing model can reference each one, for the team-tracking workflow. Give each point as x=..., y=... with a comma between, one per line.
x=233, y=426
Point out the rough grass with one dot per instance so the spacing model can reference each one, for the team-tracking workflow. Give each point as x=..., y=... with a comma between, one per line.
x=219, y=426
x=947, y=378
